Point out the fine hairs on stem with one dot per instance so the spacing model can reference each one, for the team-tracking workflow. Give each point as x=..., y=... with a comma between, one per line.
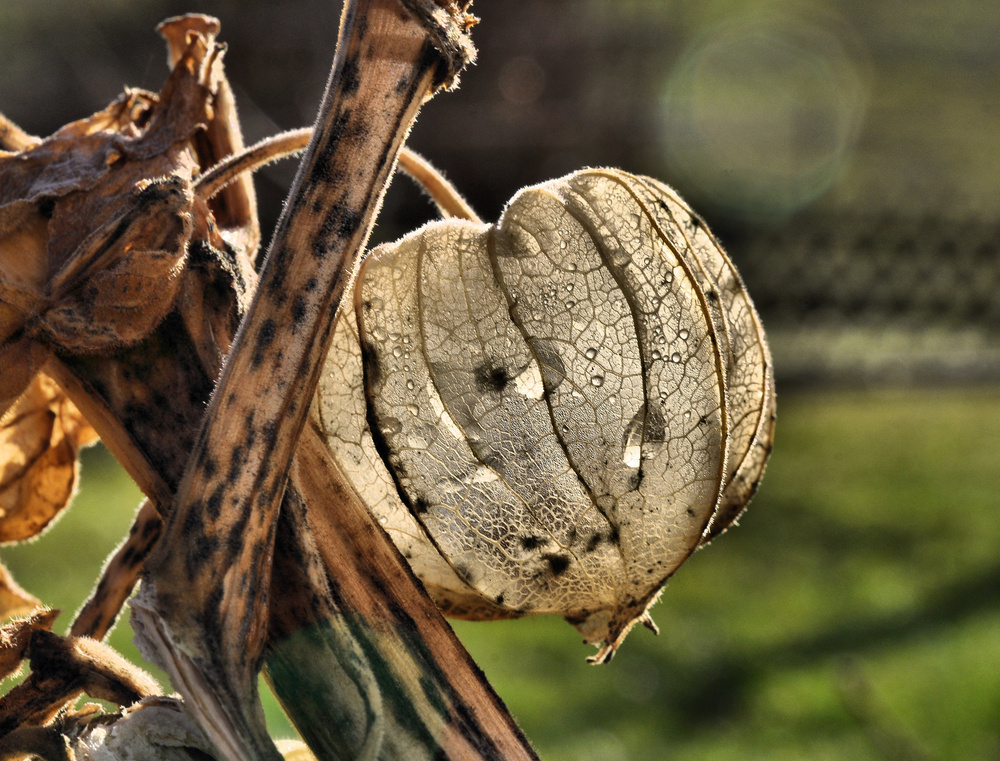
x=449, y=201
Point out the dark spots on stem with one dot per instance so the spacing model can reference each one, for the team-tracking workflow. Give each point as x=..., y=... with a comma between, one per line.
x=234, y=541
x=209, y=467
x=237, y=457
x=265, y=337
x=328, y=150
x=150, y=528
x=213, y=505
x=298, y=312
x=349, y=80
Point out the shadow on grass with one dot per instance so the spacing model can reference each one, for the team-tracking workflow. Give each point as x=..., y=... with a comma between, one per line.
x=722, y=690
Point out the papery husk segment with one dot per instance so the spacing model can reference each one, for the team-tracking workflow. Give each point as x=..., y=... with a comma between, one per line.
x=750, y=370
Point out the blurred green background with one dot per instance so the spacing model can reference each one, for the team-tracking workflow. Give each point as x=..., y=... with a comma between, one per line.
x=848, y=153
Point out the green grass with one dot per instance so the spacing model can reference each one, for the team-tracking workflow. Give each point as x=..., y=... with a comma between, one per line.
x=853, y=614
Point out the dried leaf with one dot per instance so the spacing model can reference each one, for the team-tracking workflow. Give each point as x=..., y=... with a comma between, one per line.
x=96, y=226
x=20, y=358
x=40, y=436
x=552, y=400
x=113, y=293
x=14, y=601
x=16, y=636
x=235, y=208
x=63, y=668
x=13, y=138
x=96, y=220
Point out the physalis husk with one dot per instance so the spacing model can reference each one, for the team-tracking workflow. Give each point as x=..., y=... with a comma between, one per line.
x=550, y=414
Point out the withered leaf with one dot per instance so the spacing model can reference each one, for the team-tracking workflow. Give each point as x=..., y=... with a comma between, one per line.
x=13, y=138
x=95, y=220
x=235, y=208
x=62, y=668
x=40, y=436
x=16, y=636
x=114, y=295
x=101, y=236
x=14, y=601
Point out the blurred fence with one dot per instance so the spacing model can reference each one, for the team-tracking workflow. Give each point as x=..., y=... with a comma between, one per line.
x=876, y=299
x=736, y=107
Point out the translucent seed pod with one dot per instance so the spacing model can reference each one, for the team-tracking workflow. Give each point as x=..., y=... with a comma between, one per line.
x=532, y=454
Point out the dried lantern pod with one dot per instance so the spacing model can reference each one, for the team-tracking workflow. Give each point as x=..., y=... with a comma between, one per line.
x=550, y=414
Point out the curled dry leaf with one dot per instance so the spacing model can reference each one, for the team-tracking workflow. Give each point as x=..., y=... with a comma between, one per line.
x=63, y=668
x=101, y=236
x=557, y=406
x=16, y=636
x=14, y=601
x=96, y=221
x=40, y=436
x=91, y=666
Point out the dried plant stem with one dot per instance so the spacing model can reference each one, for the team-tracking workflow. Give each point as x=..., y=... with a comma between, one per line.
x=203, y=607
x=447, y=198
x=356, y=651
x=99, y=613
x=267, y=151
x=120, y=574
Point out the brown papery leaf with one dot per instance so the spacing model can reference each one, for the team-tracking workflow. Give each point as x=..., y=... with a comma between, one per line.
x=14, y=601
x=16, y=636
x=95, y=220
x=115, y=295
x=40, y=436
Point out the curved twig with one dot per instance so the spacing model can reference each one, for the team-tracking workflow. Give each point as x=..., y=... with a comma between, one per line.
x=286, y=144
